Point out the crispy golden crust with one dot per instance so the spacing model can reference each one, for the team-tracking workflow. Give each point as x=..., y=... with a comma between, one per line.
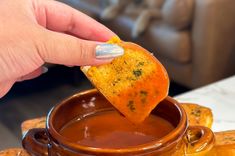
x=134, y=83
x=225, y=141
x=225, y=144
x=198, y=115
x=33, y=123
x=225, y=138
x=14, y=152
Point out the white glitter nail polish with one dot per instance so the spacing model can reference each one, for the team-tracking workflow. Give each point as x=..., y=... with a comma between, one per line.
x=107, y=51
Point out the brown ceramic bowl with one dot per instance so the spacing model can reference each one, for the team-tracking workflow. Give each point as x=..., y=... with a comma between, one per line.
x=182, y=140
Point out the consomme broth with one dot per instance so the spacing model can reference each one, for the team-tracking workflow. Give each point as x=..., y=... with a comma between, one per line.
x=109, y=129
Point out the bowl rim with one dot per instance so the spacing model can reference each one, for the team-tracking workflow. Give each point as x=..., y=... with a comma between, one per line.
x=172, y=137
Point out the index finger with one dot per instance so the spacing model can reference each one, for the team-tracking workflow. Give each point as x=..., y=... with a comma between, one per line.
x=59, y=17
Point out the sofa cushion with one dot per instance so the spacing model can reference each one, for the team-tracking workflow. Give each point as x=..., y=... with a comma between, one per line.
x=173, y=44
x=160, y=38
x=178, y=13
x=92, y=8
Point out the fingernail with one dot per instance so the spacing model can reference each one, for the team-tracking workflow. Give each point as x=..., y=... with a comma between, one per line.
x=107, y=51
x=44, y=69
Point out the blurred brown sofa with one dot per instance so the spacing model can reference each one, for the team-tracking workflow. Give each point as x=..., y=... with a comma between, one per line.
x=197, y=53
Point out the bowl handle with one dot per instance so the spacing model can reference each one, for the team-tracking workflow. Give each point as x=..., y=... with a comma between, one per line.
x=199, y=140
x=35, y=142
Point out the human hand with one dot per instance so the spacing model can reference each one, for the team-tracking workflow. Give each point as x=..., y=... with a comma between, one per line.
x=37, y=31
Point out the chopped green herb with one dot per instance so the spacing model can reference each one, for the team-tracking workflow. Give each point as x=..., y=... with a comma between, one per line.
x=229, y=138
x=140, y=64
x=196, y=112
x=137, y=72
x=143, y=93
x=131, y=106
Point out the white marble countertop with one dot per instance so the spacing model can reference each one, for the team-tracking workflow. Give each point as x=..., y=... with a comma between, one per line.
x=220, y=97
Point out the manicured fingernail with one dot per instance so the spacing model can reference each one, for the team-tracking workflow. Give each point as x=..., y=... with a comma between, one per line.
x=107, y=51
x=44, y=69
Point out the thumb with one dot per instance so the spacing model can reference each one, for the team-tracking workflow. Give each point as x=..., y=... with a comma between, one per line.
x=65, y=49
